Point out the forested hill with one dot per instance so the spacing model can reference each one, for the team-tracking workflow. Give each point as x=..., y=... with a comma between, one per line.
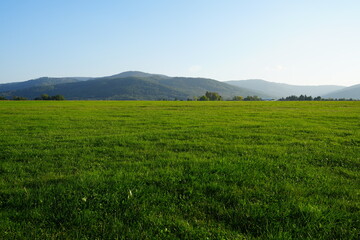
x=135, y=85
x=132, y=86
x=39, y=82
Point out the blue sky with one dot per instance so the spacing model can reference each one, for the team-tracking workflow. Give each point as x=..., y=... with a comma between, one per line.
x=297, y=42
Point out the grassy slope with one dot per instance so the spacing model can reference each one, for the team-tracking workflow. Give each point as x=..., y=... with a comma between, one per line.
x=187, y=170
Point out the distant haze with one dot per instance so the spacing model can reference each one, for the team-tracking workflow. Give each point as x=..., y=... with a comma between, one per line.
x=295, y=42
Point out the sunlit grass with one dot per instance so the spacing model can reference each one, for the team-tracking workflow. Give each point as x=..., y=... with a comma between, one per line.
x=185, y=170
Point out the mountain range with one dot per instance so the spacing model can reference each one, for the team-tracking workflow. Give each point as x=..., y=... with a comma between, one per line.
x=283, y=90
x=131, y=85
x=348, y=92
x=135, y=85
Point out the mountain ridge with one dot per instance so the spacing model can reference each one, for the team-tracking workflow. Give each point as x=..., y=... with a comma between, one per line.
x=348, y=92
x=42, y=81
x=131, y=85
x=137, y=85
x=282, y=89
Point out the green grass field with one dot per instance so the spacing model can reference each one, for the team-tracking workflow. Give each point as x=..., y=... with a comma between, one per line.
x=179, y=170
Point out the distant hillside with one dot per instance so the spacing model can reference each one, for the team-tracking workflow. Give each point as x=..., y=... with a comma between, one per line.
x=135, y=85
x=349, y=92
x=198, y=86
x=138, y=75
x=283, y=90
x=44, y=81
x=193, y=87
x=132, y=86
x=128, y=88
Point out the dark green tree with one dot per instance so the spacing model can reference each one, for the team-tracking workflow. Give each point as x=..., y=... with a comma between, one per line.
x=204, y=98
x=252, y=98
x=58, y=97
x=47, y=97
x=238, y=98
x=213, y=96
x=44, y=97
x=17, y=98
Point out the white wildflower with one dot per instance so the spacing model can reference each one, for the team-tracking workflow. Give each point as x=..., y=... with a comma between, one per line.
x=130, y=194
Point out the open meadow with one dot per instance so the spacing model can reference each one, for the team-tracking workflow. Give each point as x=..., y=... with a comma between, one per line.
x=179, y=170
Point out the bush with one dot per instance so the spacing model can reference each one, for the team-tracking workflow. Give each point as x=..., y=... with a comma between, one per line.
x=252, y=98
x=238, y=98
x=210, y=96
x=213, y=96
x=47, y=97
x=17, y=98
x=204, y=98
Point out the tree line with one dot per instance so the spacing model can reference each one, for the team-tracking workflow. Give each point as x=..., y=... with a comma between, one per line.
x=310, y=98
x=42, y=97
x=214, y=96
x=208, y=96
x=47, y=97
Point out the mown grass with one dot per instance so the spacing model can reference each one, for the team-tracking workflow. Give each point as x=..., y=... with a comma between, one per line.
x=179, y=170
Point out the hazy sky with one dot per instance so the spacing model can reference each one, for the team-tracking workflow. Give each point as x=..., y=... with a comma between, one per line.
x=290, y=41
